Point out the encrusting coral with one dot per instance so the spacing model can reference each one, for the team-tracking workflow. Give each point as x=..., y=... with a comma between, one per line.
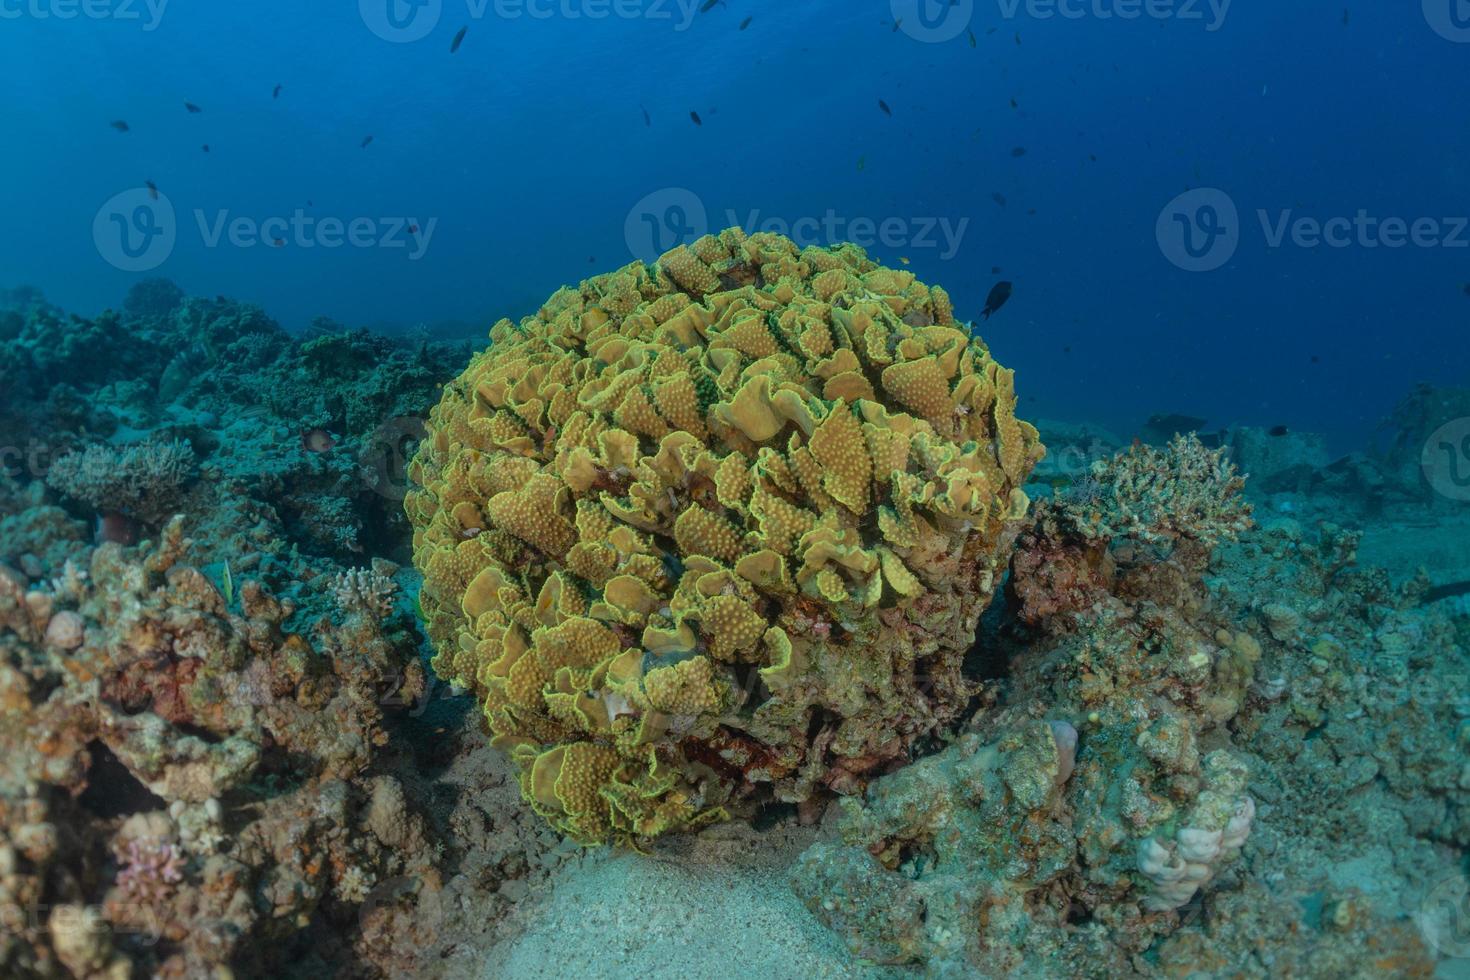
x=717, y=529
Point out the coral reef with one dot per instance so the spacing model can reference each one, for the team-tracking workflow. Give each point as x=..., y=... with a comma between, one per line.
x=144, y=481
x=718, y=526
x=1127, y=771
x=189, y=775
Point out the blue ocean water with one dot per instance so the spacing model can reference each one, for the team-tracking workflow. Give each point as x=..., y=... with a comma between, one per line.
x=525, y=162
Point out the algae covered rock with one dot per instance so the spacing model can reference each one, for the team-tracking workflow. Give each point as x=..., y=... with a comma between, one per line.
x=717, y=530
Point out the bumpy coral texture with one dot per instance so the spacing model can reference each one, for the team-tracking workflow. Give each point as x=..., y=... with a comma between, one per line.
x=718, y=529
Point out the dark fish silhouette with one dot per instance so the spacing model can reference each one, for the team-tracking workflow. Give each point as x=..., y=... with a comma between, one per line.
x=972, y=38
x=884, y=106
x=646, y=120
x=997, y=298
x=1345, y=16
x=995, y=270
x=897, y=24
x=276, y=92
x=709, y=5
x=1278, y=430
x=1018, y=151
x=695, y=116
x=206, y=147
x=1164, y=427
x=746, y=23
x=1015, y=104
x=1466, y=288
x=458, y=39
x=152, y=189
x=191, y=107
x=999, y=198
x=119, y=125
x=365, y=141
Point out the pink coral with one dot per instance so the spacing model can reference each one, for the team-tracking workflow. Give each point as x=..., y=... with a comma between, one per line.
x=151, y=870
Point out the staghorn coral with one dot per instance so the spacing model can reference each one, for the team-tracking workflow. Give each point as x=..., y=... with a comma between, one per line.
x=1182, y=492
x=145, y=481
x=720, y=525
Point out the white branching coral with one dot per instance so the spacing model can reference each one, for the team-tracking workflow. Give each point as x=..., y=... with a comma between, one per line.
x=143, y=481
x=365, y=590
x=1184, y=491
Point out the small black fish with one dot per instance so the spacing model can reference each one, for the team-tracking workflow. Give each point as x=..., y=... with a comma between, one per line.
x=884, y=106
x=1092, y=157
x=1018, y=151
x=365, y=141
x=646, y=120
x=695, y=116
x=972, y=38
x=591, y=260
x=191, y=107
x=709, y=5
x=458, y=39
x=999, y=198
x=276, y=92
x=1018, y=39
x=1015, y=104
x=995, y=270
x=897, y=24
x=206, y=147
x=1345, y=16
x=997, y=298
x=1466, y=288
x=746, y=23
x=152, y=189
x=1316, y=359
x=1278, y=430
x=119, y=125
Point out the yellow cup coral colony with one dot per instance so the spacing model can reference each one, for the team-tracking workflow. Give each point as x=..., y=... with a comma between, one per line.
x=717, y=530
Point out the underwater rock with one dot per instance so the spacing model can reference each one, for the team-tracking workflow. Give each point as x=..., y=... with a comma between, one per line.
x=718, y=529
x=1280, y=462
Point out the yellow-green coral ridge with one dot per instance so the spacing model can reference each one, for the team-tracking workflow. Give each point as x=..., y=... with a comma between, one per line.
x=717, y=528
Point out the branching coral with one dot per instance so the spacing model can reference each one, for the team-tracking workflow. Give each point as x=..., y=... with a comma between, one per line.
x=1184, y=491
x=145, y=481
x=722, y=524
